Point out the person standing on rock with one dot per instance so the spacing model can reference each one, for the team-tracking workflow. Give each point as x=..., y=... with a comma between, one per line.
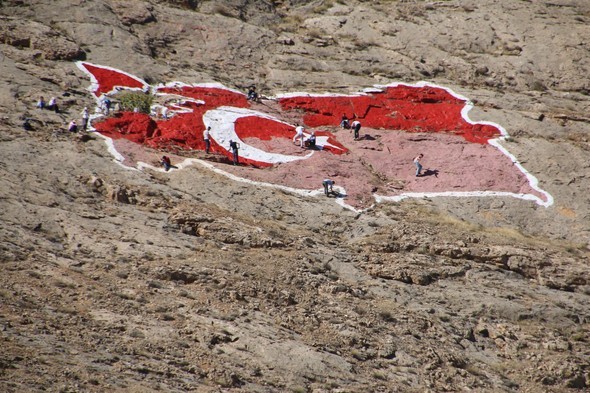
x=106, y=105
x=328, y=186
x=356, y=127
x=299, y=135
x=418, y=164
x=85, y=118
x=206, y=139
x=234, y=147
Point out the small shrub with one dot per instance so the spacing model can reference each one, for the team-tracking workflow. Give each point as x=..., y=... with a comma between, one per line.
x=140, y=100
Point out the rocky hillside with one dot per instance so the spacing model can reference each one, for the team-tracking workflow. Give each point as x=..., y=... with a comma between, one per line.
x=136, y=281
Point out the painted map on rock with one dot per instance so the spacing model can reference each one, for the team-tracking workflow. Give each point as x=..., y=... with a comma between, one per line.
x=398, y=121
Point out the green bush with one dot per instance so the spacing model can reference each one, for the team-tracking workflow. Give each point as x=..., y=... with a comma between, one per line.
x=140, y=100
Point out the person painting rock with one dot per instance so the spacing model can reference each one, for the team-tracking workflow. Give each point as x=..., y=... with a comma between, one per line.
x=328, y=186
x=344, y=123
x=166, y=163
x=234, y=147
x=310, y=142
x=299, y=136
x=356, y=127
x=418, y=164
x=206, y=137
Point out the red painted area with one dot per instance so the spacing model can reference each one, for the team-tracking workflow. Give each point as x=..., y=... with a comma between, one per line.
x=261, y=128
x=136, y=127
x=108, y=79
x=212, y=96
x=267, y=129
x=412, y=109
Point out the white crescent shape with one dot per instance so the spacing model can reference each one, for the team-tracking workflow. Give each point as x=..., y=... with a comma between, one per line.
x=222, y=122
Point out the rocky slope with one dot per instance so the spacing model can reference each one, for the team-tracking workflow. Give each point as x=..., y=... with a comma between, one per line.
x=120, y=280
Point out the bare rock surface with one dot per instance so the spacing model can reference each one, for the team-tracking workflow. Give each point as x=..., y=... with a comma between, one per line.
x=124, y=280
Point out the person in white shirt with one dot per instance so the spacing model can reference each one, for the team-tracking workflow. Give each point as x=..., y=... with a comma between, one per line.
x=356, y=127
x=417, y=163
x=299, y=135
x=52, y=105
x=206, y=139
x=85, y=118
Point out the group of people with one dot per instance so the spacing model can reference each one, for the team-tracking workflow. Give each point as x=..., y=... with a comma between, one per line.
x=355, y=126
x=73, y=126
x=51, y=105
x=233, y=146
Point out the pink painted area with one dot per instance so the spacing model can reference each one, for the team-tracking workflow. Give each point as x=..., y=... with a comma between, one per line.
x=397, y=124
x=408, y=108
x=107, y=79
x=381, y=162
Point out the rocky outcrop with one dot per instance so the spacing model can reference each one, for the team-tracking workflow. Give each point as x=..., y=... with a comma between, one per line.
x=39, y=39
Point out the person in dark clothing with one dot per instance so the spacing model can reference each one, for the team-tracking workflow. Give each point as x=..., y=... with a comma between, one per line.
x=252, y=94
x=310, y=142
x=344, y=123
x=234, y=147
x=27, y=125
x=165, y=161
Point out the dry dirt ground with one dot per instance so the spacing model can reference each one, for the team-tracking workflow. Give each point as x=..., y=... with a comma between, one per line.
x=143, y=281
